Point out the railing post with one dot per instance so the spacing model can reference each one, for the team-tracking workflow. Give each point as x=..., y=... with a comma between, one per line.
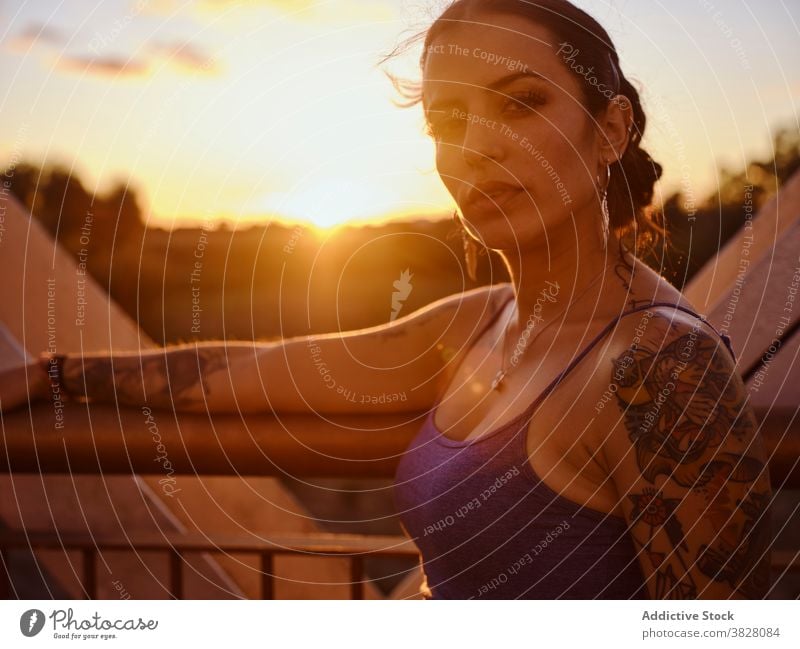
x=267, y=575
x=356, y=577
x=5, y=576
x=175, y=574
x=89, y=573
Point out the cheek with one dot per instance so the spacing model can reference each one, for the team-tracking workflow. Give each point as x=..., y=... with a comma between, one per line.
x=553, y=162
x=447, y=165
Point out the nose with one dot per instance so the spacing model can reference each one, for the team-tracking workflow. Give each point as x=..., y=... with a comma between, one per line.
x=482, y=142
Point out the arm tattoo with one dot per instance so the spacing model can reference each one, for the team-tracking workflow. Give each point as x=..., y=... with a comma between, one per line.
x=688, y=420
x=162, y=378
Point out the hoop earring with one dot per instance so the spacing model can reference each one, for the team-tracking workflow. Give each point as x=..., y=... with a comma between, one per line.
x=470, y=250
x=605, y=216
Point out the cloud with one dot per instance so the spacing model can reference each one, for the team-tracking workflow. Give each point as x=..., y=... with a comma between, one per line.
x=104, y=66
x=37, y=34
x=188, y=57
x=55, y=40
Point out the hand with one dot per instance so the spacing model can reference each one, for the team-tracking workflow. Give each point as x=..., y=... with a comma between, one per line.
x=21, y=385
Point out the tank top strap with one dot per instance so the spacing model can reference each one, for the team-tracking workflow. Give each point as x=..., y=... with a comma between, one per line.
x=585, y=351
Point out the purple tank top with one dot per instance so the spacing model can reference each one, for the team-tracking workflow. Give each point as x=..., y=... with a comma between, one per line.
x=489, y=528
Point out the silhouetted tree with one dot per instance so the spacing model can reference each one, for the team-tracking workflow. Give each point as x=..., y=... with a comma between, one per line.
x=121, y=209
x=242, y=267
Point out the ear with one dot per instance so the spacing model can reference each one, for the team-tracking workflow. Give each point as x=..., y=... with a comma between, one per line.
x=615, y=126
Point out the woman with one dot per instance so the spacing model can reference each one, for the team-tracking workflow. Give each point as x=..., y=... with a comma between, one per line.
x=588, y=435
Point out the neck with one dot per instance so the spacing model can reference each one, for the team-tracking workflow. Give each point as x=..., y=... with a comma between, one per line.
x=548, y=276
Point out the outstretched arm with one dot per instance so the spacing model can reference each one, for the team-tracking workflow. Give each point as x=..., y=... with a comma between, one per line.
x=689, y=466
x=393, y=367
x=175, y=376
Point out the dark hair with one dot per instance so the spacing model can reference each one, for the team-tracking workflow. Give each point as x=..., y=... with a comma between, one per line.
x=630, y=191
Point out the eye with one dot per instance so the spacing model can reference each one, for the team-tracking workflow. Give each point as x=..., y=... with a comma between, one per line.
x=524, y=102
x=441, y=125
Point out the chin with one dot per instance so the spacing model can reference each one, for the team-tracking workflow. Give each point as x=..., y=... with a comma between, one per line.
x=504, y=231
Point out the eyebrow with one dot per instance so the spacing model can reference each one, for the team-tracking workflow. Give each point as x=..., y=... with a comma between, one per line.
x=495, y=85
x=504, y=81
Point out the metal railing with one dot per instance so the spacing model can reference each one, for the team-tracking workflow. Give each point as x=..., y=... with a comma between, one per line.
x=176, y=546
x=118, y=442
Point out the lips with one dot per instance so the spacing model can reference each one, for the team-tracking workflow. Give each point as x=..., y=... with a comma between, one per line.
x=492, y=196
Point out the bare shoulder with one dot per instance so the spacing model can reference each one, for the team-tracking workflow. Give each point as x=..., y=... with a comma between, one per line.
x=420, y=344
x=643, y=285
x=476, y=300
x=651, y=311
x=448, y=327
x=471, y=311
x=454, y=319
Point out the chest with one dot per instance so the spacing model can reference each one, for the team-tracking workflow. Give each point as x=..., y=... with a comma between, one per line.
x=561, y=439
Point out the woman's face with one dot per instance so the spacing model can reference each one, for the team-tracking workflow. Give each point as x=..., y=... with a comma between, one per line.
x=514, y=144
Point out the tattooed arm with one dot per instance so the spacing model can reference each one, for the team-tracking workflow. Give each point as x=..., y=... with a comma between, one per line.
x=388, y=368
x=174, y=376
x=689, y=466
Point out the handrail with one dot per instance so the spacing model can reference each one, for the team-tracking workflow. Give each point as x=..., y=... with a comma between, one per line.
x=313, y=543
x=127, y=441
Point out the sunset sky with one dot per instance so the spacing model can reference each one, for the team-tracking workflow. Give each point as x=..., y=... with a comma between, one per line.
x=245, y=109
